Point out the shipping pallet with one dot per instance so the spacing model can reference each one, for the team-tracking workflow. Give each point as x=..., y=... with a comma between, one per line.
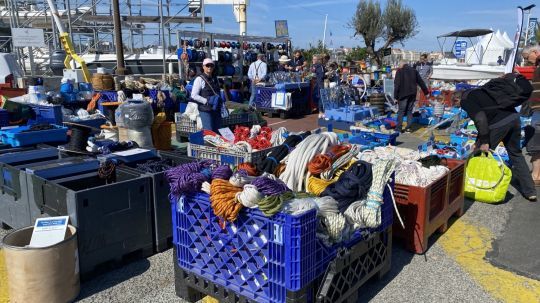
x=340, y=283
x=117, y=263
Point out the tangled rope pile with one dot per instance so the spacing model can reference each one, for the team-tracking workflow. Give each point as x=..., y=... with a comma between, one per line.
x=223, y=199
x=153, y=166
x=270, y=163
x=249, y=168
x=296, y=175
x=415, y=174
x=367, y=213
x=409, y=171
x=352, y=185
x=189, y=177
x=317, y=186
x=323, y=162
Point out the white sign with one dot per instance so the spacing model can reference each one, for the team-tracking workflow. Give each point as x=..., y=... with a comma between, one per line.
x=49, y=231
x=23, y=37
x=227, y=134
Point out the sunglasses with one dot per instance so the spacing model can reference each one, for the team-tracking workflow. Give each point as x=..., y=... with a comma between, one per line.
x=210, y=65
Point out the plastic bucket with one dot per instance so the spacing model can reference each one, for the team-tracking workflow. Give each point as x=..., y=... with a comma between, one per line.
x=47, y=274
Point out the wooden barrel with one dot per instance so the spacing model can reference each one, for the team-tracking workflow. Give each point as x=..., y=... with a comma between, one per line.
x=378, y=100
x=102, y=82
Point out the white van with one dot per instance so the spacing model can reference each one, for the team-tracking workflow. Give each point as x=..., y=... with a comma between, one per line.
x=10, y=70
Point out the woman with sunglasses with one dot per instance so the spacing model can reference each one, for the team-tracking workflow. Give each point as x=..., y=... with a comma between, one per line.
x=206, y=93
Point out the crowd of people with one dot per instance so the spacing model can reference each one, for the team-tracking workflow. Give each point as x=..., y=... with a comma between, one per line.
x=496, y=121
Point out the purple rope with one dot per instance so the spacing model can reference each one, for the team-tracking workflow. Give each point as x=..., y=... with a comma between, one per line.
x=269, y=187
x=222, y=172
x=187, y=178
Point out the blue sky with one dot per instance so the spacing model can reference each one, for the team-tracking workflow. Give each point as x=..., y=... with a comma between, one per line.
x=306, y=19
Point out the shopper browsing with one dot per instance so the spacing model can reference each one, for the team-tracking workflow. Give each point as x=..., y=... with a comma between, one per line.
x=299, y=62
x=256, y=74
x=284, y=65
x=206, y=93
x=492, y=108
x=405, y=82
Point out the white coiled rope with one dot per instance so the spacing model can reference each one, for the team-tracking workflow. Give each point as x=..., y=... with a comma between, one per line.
x=328, y=174
x=335, y=226
x=299, y=206
x=206, y=187
x=295, y=174
x=249, y=196
x=413, y=173
x=367, y=213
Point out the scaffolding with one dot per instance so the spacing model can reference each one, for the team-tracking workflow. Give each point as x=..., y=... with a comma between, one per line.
x=145, y=24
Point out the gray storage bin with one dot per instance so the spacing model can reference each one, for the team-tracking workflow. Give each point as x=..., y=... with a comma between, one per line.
x=113, y=220
x=15, y=211
x=161, y=206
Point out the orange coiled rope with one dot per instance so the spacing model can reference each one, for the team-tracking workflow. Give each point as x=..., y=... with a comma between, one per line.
x=249, y=168
x=321, y=162
x=223, y=198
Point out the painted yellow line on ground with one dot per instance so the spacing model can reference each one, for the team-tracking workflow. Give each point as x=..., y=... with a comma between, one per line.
x=3, y=280
x=468, y=245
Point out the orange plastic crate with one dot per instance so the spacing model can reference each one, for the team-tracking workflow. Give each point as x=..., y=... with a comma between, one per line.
x=425, y=210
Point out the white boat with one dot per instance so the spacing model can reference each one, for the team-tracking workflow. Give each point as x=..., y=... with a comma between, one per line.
x=148, y=63
x=458, y=72
x=480, y=58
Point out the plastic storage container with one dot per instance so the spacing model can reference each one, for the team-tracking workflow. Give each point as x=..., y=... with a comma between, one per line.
x=161, y=210
x=113, y=219
x=20, y=136
x=15, y=211
x=47, y=113
x=344, y=276
x=258, y=257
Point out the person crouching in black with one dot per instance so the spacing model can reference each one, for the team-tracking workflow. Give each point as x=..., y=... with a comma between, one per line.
x=492, y=108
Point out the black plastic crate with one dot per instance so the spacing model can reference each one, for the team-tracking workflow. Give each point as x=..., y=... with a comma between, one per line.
x=113, y=220
x=161, y=207
x=341, y=281
x=15, y=210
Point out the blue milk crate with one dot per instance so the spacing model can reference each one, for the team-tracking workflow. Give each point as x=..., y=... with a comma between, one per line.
x=18, y=137
x=258, y=257
x=377, y=136
x=460, y=139
x=47, y=113
x=106, y=96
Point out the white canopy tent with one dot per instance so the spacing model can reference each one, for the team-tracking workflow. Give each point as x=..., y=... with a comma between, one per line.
x=488, y=49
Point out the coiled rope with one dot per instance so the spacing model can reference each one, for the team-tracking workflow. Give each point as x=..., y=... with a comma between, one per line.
x=323, y=162
x=352, y=185
x=345, y=159
x=367, y=213
x=296, y=175
x=270, y=163
x=223, y=199
x=249, y=196
x=249, y=168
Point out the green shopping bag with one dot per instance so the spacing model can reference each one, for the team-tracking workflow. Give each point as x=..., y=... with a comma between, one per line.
x=486, y=179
